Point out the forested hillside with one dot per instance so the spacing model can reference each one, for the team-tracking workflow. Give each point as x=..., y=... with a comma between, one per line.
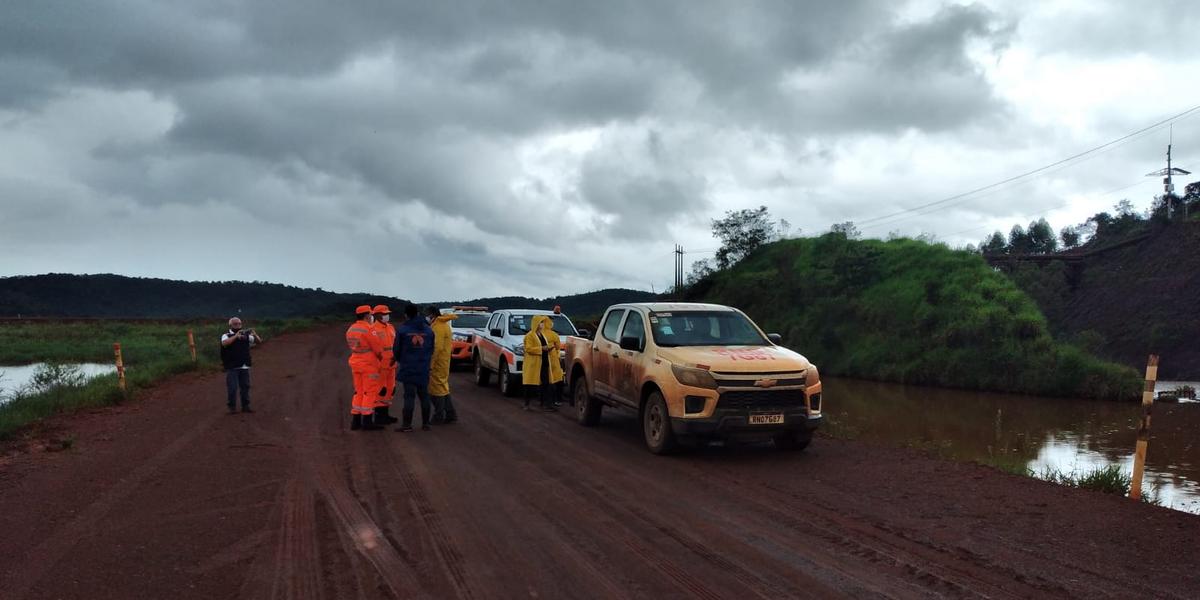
x=106, y=296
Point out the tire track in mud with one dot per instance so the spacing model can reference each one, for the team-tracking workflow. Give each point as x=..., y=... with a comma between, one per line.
x=595, y=495
x=504, y=483
x=807, y=532
x=449, y=557
x=918, y=567
x=297, y=556
x=319, y=473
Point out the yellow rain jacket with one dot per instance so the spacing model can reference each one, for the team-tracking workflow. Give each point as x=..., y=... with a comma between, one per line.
x=439, y=366
x=531, y=371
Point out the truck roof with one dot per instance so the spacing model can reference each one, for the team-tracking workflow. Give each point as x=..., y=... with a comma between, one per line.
x=675, y=306
x=528, y=311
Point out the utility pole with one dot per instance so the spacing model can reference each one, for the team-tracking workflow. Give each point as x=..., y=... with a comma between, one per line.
x=1168, y=184
x=678, y=268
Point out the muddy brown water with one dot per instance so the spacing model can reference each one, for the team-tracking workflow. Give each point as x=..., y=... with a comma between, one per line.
x=1041, y=433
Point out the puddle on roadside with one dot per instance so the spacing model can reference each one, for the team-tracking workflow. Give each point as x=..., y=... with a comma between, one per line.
x=15, y=378
x=1041, y=433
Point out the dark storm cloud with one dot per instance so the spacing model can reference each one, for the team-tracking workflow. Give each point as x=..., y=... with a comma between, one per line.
x=642, y=183
x=305, y=112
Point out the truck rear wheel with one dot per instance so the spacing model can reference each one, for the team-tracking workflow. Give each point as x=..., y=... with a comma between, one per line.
x=587, y=408
x=793, y=441
x=482, y=375
x=507, y=387
x=656, y=425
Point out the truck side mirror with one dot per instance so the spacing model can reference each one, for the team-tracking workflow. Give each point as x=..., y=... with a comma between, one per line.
x=496, y=332
x=631, y=343
x=585, y=333
x=775, y=338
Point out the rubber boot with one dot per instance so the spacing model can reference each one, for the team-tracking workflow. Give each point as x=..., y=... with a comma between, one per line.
x=383, y=416
x=356, y=422
x=369, y=423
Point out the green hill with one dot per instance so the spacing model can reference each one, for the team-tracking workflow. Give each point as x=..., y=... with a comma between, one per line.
x=910, y=312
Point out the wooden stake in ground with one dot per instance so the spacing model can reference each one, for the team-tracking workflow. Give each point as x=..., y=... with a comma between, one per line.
x=1143, y=439
x=192, y=345
x=120, y=366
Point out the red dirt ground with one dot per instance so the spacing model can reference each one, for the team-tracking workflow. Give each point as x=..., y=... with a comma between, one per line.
x=169, y=497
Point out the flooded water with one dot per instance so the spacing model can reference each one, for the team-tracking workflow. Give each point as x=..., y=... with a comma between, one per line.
x=1064, y=434
x=15, y=378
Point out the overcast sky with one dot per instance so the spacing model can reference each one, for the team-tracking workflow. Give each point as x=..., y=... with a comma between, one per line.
x=448, y=150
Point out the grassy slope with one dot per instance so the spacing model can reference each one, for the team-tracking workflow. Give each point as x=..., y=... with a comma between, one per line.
x=910, y=312
x=151, y=352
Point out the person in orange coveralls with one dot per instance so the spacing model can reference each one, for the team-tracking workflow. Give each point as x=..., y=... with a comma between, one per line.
x=387, y=369
x=366, y=356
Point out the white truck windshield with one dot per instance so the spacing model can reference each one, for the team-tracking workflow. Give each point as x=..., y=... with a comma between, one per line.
x=519, y=324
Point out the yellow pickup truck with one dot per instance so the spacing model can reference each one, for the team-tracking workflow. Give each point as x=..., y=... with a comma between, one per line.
x=694, y=372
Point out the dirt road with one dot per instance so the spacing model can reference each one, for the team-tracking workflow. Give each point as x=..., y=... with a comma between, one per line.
x=168, y=497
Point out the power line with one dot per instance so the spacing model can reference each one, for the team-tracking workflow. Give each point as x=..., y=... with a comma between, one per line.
x=1055, y=207
x=1037, y=171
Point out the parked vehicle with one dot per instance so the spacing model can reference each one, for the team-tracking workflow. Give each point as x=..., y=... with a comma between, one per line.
x=694, y=372
x=470, y=320
x=500, y=346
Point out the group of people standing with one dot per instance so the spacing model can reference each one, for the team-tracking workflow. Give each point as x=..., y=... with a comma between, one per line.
x=414, y=356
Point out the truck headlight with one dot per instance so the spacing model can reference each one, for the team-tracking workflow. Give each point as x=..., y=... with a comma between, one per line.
x=460, y=337
x=519, y=350
x=700, y=378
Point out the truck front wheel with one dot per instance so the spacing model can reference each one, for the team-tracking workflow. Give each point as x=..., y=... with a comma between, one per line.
x=587, y=408
x=656, y=425
x=508, y=384
x=482, y=375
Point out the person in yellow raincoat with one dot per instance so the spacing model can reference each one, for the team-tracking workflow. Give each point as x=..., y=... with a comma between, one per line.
x=439, y=366
x=542, y=369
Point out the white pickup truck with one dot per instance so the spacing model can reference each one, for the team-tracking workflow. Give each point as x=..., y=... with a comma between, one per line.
x=500, y=345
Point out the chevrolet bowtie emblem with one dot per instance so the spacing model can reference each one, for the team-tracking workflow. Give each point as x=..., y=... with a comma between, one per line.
x=765, y=383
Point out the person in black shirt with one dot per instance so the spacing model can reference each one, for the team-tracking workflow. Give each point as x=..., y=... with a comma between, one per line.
x=235, y=358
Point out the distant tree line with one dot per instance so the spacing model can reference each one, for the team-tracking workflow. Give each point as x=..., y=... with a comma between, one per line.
x=117, y=296
x=1098, y=230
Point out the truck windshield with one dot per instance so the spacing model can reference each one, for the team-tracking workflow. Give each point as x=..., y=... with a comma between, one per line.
x=704, y=328
x=474, y=321
x=519, y=324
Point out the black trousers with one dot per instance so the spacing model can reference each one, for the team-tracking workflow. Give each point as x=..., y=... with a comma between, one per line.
x=237, y=380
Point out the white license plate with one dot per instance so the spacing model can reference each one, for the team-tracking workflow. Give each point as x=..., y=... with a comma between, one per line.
x=775, y=419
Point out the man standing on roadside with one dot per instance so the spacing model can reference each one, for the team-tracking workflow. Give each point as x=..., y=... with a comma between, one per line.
x=413, y=351
x=439, y=366
x=387, y=367
x=235, y=358
x=366, y=355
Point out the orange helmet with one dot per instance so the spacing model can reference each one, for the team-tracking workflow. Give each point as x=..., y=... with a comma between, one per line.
x=363, y=310
x=381, y=309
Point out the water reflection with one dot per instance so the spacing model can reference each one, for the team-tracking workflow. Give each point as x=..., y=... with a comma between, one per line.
x=16, y=378
x=1041, y=433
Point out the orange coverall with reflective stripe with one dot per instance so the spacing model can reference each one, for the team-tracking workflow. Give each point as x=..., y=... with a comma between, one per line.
x=366, y=355
x=387, y=366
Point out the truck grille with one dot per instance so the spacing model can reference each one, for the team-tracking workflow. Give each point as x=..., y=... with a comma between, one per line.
x=762, y=400
x=750, y=383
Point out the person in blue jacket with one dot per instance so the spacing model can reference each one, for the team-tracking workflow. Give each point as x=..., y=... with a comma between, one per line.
x=413, y=350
